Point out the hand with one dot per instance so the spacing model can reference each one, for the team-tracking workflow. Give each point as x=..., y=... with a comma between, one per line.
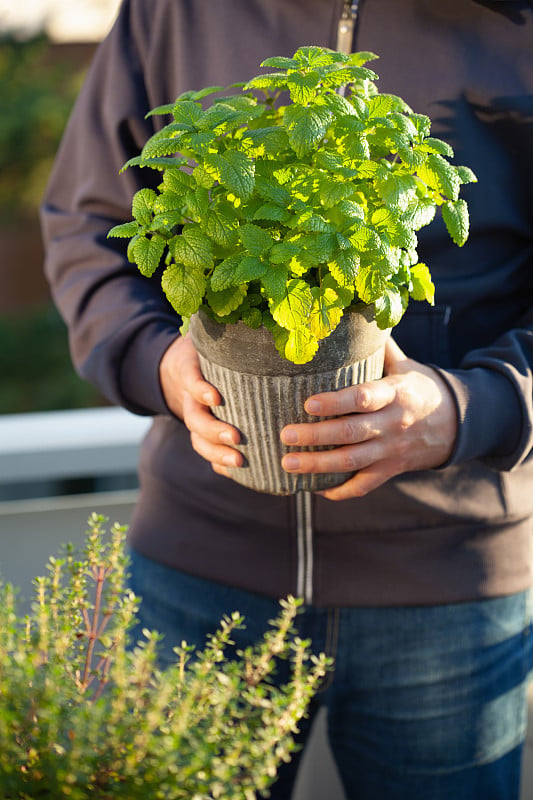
x=189, y=396
x=406, y=421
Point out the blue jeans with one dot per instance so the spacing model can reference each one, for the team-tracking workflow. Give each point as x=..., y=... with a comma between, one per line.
x=424, y=703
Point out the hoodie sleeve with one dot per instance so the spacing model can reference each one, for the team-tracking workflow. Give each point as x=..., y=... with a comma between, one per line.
x=119, y=322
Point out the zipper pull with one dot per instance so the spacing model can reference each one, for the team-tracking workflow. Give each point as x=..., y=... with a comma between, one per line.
x=346, y=27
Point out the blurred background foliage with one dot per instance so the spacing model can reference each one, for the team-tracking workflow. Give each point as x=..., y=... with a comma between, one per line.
x=39, y=81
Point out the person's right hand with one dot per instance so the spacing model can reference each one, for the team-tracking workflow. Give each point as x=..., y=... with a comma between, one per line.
x=189, y=397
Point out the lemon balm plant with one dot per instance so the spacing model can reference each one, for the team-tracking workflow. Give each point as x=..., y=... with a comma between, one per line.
x=84, y=716
x=294, y=200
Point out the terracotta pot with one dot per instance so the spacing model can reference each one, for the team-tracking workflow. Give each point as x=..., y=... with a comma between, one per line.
x=263, y=392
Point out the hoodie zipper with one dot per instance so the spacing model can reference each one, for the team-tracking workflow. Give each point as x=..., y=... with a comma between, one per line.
x=304, y=528
x=304, y=504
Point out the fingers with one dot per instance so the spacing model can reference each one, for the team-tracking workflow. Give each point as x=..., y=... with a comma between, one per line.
x=191, y=397
x=362, y=483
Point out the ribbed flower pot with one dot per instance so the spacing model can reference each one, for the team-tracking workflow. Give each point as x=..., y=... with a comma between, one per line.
x=263, y=392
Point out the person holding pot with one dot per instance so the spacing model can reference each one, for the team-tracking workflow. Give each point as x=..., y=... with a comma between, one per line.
x=416, y=572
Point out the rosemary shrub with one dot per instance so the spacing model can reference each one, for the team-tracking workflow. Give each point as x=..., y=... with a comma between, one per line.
x=83, y=714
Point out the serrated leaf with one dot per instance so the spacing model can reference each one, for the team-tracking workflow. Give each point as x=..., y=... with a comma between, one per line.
x=142, y=205
x=235, y=171
x=283, y=252
x=250, y=268
x=423, y=287
x=466, y=175
x=348, y=74
x=396, y=190
x=255, y=240
x=326, y=312
x=274, y=281
x=221, y=226
x=432, y=145
x=176, y=181
x=202, y=177
x=300, y=346
x=306, y=127
x=124, y=231
x=369, y=284
x=265, y=141
x=160, y=146
x=227, y=300
x=332, y=192
x=302, y=87
x=146, y=253
x=272, y=191
x=188, y=113
x=184, y=288
x=388, y=307
x=270, y=81
x=456, y=219
x=272, y=213
x=345, y=266
x=224, y=273
x=419, y=214
x=161, y=164
x=280, y=62
x=197, y=203
x=440, y=175
x=192, y=248
x=292, y=310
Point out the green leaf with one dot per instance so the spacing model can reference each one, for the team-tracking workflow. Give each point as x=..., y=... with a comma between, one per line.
x=466, y=175
x=432, y=145
x=306, y=127
x=440, y=175
x=423, y=287
x=224, y=273
x=250, y=268
x=197, y=203
x=202, y=177
x=396, y=190
x=274, y=281
x=142, y=205
x=235, y=171
x=370, y=283
x=302, y=87
x=292, y=311
x=270, y=81
x=188, y=113
x=381, y=105
x=162, y=164
x=252, y=317
x=227, y=300
x=344, y=267
x=221, y=226
x=456, y=219
x=326, y=312
x=159, y=146
x=192, y=248
x=272, y=213
x=255, y=240
x=272, y=191
x=332, y=191
x=388, y=307
x=146, y=253
x=124, y=231
x=283, y=252
x=300, y=346
x=265, y=141
x=184, y=288
x=280, y=62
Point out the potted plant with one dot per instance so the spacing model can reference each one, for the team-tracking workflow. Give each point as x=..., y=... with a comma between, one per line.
x=280, y=209
x=83, y=715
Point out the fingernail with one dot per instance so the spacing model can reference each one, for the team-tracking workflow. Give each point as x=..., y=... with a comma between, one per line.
x=229, y=461
x=313, y=406
x=291, y=462
x=289, y=436
x=207, y=397
x=226, y=437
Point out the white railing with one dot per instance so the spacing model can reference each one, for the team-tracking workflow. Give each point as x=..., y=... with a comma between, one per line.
x=101, y=443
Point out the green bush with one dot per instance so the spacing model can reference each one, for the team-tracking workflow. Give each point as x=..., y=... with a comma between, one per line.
x=84, y=715
x=37, y=372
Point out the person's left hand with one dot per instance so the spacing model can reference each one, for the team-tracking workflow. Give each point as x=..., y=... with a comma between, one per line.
x=403, y=422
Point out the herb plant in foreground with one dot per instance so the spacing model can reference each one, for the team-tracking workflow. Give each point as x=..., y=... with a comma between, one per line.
x=85, y=717
x=288, y=203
